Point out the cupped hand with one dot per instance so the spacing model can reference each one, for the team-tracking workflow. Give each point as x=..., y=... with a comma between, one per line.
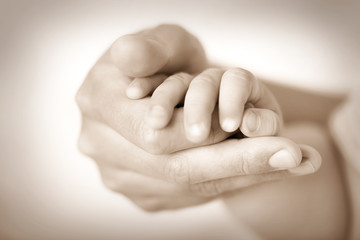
x=115, y=136
x=193, y=176
x=102, y=96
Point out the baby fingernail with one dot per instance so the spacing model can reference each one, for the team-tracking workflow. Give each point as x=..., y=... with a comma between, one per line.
x=303, y=169
x=196, y=132
x=282, y=159
x=229, y=125
x=133, y=92
x=252, y=121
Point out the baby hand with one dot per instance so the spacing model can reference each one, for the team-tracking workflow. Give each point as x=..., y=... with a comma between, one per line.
x=241, y=98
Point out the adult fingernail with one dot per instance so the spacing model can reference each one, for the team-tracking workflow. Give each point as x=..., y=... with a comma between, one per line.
x=252, y=121
x=229, y=125
x=282, y=159
x=303, y=169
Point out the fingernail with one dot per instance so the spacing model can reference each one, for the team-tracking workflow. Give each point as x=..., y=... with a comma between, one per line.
x=252, y=121
x=196, y=132
x=282, y=159
x=196, y=129
x=303, y=169
x=134, y=91
x=229, y=125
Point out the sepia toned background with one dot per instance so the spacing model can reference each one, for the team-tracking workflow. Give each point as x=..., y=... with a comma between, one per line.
x=48, y=190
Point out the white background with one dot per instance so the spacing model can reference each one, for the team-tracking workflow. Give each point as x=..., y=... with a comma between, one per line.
x=48, y=190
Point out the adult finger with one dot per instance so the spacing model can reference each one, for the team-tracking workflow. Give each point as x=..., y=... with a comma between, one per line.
x=148, y=193
x=107, y=147
x=165, y=48
x=133, y=184
x=234, y=157
x=310, y=163
x=223, y=160
x=154, y=204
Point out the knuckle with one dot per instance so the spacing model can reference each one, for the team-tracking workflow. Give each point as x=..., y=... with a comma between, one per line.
x=210, y=76
x=172, y=28
x=177, y=169
x=248, y=81
x=151, y=141
x=149, y=204
x=111, y=183
x=102, y=71
x=239, y=162
x=161, y=91
x=114, y=180
x=242, y=167
x=241, y=74
x=97, y=72
x=206, y=189
x=182, y=78
x=82, y=98
x=276, y=123
x=92, y=86
x=244, y=161
x=86, y=145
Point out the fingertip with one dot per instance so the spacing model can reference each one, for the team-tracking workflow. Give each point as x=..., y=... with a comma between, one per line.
x=230, y=125
x=251, y=122
x=312, y=155
x=259, y=122
x=138, y=88
x=283, y=159
x=311, y=161
x=134, y=92
x=138, y=56
x=197, y=132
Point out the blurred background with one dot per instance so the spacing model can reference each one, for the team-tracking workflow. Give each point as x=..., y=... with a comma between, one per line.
x=48, y=190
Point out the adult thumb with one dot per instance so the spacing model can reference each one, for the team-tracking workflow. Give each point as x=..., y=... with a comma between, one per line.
x=165, y=48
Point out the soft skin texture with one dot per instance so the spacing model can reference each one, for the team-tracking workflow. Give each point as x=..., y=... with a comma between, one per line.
x=115, y=136
x=235, y=93
x=191, y=176
x=163, y=49
x=307, y=207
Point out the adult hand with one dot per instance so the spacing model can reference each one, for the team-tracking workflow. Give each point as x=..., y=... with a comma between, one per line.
x=113, y=132
x=193, y=176
x=102, y=95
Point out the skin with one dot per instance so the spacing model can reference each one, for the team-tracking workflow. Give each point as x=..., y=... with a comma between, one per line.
x=308, y=207
x=186, y=175
x=227, y=91
x=154, y=167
